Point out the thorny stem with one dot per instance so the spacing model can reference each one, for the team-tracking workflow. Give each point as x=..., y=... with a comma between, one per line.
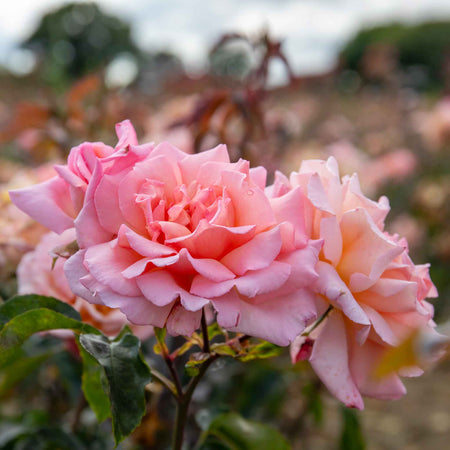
x=318, y=322
x=183, y=398
x=206, y=348
x=173, y=373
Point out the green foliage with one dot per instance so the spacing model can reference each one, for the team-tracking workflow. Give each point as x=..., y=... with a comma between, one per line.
x=262, y=350
x=93, y=385
x=78, y=37
x=423, y=44
x=314, y=402
x=352, y=437
x=24, y=316
x=233, y=432
x=20, y=304
x=20, y=367
x=125, y=372
x=127, y=376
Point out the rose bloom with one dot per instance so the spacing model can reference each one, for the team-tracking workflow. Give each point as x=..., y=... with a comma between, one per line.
x=163, y=233
x=35, y=275
x=376, y=292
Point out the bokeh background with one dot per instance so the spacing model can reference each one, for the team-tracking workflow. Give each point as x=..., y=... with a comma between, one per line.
x=278, y=81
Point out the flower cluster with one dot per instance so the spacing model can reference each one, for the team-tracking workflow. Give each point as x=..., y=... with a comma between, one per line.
x=163, y=234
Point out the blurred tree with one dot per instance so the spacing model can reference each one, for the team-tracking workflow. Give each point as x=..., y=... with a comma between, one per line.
x=77, y=38
x=421, y=51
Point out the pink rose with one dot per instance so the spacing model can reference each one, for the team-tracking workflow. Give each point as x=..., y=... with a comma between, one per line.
x=35, y=275
x=376, y=292
x=163, y=234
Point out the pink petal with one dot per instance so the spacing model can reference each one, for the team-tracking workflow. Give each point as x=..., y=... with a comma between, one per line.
x=74, y=271
x=126, y=134
x=191, y=164
x=106, y=200
x=303, y=262
x=258, y=176
x=250, y=203
x=89, y=230
x=363, y=363
x=212, y=241
x=330, y=361
x=251, y=284
x=367, y=252
x=144, y=246
x=49, y=203
x=161, y=289
x=182, y=322
x=106, y=261
x=279, y=320
x=208, y=268
x=257, y=253
x=330, y=232
x=290, y=208
x=400, y=301
x=331, y=286
x=380, y=326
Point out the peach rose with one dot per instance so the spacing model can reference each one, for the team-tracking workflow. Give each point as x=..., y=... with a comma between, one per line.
x=376, y=293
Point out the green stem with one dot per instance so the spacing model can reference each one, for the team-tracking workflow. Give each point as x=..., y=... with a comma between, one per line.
x=164, y=381
x=318, y=322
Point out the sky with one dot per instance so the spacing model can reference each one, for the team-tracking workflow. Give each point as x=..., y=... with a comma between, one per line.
x=313, y=30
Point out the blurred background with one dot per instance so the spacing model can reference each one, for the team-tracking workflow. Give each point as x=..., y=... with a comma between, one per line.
x=278, y=81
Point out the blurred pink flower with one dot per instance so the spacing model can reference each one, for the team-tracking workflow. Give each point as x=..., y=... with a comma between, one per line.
x=163, y=234
x=391, y=167
x=434, y=125
x=376, y=292
x=35, y=275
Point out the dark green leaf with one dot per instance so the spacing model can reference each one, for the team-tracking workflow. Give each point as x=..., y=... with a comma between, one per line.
x=93, y=385
x=22, y=326
x=23, y=303
x=351, y=436
x=45, y=438
x=127, y=376
x=242, y=434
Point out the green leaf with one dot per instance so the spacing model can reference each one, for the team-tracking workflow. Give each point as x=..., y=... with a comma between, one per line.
x=195, y=361
x=214, y=330
x=263, y=350
x=160, y=347
x=19, y=369
x=93, y=384
x=242, y=434
x=127, y=376
x=351, y=436
x=223, y=349
x=22, y=326
x=22, y=303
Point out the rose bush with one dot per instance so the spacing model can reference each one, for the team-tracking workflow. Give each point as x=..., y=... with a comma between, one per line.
x=162, y=234
x=376, y=293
